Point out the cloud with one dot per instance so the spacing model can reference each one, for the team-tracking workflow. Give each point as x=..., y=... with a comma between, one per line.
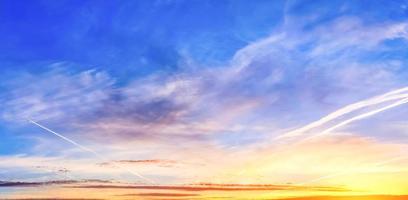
x=145, y=161
x=157, y=162
x=47, y=183
x=264, y=76
x=50, y=199
x=32, y=184
x=217, y=187
x=393, y=95
x=160, y=195
x=55, y=94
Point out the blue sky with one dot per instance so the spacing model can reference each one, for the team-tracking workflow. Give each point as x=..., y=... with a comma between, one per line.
x=189, y=80
x=128, y=35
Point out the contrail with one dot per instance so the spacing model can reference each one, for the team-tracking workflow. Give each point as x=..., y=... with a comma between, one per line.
x=393, y=95
x=84, y=148
x=358, y=117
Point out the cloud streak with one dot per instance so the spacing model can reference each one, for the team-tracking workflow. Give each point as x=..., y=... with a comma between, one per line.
x=393, y=95
x=219, y=187
x=47, y=183
x=359, y=117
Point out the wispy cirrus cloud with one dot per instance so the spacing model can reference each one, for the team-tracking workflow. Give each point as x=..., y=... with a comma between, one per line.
x=55, y=94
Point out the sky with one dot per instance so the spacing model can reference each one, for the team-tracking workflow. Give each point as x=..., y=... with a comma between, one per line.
x=210, y=99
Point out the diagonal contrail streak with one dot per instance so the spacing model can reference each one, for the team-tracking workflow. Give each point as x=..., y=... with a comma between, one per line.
x=393, y=95
x=84, y=148
x=358, y=117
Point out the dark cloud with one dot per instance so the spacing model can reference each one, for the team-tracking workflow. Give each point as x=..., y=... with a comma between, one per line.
x=46, y=183
x=53, y=199
x=34, y=184
x=155, y=110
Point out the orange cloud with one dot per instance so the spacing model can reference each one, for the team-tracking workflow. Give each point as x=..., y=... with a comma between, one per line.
x=161, y=195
